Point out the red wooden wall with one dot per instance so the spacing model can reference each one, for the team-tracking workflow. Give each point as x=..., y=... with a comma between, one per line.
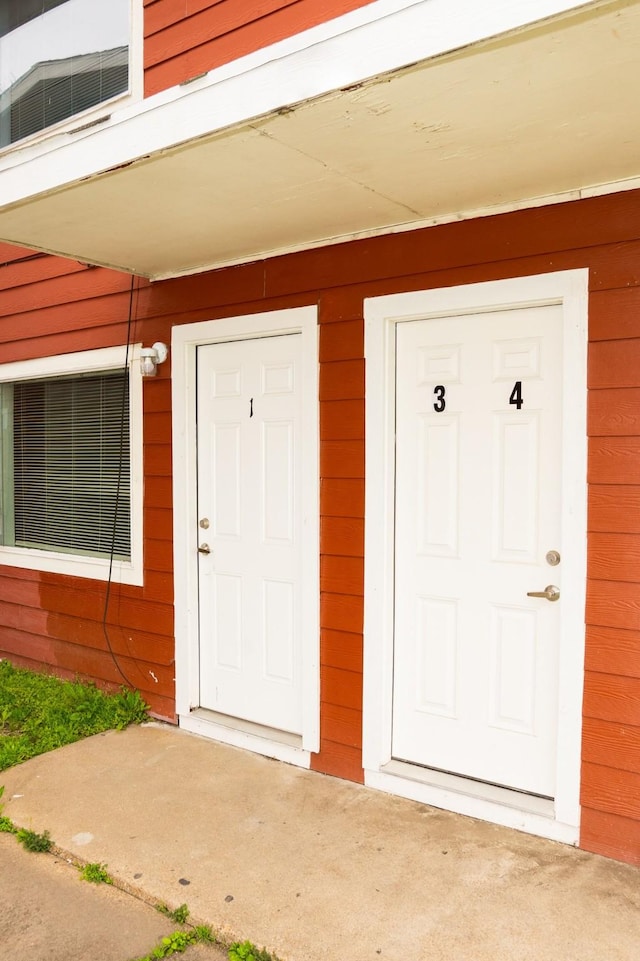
x=184, y=38
x=52, y=306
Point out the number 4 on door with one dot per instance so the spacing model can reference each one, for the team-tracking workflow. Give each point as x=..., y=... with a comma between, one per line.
x=516, y=395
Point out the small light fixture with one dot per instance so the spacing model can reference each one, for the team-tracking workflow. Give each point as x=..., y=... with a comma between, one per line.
x=150, y=357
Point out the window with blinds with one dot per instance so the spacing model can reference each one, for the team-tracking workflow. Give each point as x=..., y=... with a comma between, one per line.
x=66, y=465
x=59, y=58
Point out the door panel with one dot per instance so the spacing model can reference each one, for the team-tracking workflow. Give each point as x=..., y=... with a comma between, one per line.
x=249, y=509
x=478, y=454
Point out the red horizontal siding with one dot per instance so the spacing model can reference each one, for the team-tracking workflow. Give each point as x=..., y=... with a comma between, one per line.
x=611, y=835
x=52, y=306
x=184, y=38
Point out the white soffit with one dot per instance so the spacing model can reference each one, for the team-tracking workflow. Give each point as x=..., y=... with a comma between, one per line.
x=546, y=111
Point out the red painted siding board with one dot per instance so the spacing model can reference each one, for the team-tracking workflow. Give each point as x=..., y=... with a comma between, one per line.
x=342, y=688
x=614, y=364
x=339, y=304
x=341, y=612
x=614, y=508
x=344, y=341
x=342, y=380
x=614, y=314
x=342, y=575
x=610, y=835
x=614, y=557
x=342, y=535
x=611, y=791
x=84, y=284
x=158, y=492
x=612, y=650
x=158, y=555
x=342, y=458
x=614, y=412
x=157, y=460
x=342, y=725
x=342, y=420
x=614, y=460
x=201, y=23
x=158, y=586
x=342, y=650
x=612, y=698
x=339, y=760
x=613, y=604
x=341, y=497
x=611, y=744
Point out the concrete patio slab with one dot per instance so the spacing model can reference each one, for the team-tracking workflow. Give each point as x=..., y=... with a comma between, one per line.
x=315, y=868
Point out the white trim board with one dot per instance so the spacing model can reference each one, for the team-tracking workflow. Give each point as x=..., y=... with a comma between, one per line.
x=570, y=290
x=185, y=341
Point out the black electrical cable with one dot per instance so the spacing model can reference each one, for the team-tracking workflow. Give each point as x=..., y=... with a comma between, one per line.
x=107, y=598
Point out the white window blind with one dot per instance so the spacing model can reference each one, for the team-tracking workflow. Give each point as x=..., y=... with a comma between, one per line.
x=71, y=465
x=59, y=58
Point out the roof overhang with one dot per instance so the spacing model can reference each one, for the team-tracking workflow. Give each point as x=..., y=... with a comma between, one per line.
x=277, y=153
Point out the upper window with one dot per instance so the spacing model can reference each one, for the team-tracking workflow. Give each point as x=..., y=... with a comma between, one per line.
x=59, y=58
x=68, y=454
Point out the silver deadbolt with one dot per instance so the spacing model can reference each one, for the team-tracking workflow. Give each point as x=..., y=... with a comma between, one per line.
x=550, y=593
x=204, y=549
x=552, y=558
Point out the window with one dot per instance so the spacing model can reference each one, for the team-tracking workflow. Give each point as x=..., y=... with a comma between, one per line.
x=59, y=58
x=69, y=463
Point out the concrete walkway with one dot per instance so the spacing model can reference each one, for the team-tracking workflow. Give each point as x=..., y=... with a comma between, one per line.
x=47, y=913
x=318, y=869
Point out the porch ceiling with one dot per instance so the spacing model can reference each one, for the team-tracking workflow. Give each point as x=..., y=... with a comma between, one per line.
x=549, y=110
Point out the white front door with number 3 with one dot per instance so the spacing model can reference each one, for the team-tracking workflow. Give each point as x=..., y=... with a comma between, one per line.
x=477, y=509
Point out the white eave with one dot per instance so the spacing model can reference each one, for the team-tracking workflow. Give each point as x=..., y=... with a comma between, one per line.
x=364, y=125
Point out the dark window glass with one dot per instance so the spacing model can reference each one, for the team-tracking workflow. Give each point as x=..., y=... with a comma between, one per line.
x=71, y=465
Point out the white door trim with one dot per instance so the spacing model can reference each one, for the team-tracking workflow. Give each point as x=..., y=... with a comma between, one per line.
x=185, y=341
x=559, y=819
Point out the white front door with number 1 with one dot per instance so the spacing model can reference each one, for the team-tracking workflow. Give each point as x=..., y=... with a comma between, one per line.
x=250, y=564
x=478, y=455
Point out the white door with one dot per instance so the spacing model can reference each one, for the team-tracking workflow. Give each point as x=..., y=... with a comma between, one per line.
x=478, y=461
x=248, y=410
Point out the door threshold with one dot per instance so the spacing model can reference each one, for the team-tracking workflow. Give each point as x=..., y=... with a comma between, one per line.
x=487, y=802
x=531, y=803
x=270, y=742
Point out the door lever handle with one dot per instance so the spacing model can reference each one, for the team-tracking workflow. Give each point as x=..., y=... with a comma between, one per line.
x=550, y=593
x=204, y=549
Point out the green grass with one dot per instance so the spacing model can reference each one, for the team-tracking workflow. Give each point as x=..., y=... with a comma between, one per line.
x=179, y=941
x=95, y=873
x=179, y=915
x=39, y=713
x=33, y=841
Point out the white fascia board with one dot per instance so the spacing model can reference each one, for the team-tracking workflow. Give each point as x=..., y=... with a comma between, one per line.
x=381, y=37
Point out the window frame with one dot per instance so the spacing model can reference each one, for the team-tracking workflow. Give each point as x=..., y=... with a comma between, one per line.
x=76, y=565
x=101, y=111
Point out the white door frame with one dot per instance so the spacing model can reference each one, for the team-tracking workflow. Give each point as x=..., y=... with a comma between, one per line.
x=558, y=819
x=185, y=341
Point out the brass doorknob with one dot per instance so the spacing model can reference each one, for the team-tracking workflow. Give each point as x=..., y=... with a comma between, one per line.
x=204, y=549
